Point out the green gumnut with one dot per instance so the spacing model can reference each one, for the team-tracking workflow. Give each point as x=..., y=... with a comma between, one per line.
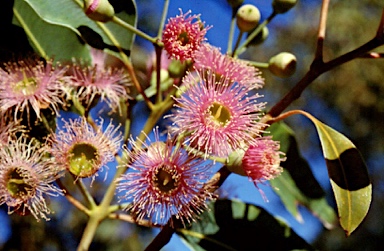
x=283, y=64
x=176, y=69
x=247, y=17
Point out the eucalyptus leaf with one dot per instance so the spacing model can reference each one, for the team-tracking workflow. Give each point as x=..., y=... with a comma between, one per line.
x=48, y=39
x=57, y=23
x=234, y=225
x=348, y=173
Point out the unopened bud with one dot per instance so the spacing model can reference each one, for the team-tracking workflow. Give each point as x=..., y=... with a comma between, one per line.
x=234, y=162
x=247, y=17
x=282, y=6
x=283, y=64
x=176, y=69
x=260, y=37
x=99, y=10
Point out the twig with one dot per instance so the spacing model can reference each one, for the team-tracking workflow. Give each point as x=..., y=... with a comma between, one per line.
x=373, y=55
x=87, y=195
x=133, y=29
x=318, y=67
x=322, y=29
x=163, y=17
x=126, y=60
x=136, y=83
x=158, y=51
x=380, y=30
x=237, y=42
x=72, y=199
x=231, y=32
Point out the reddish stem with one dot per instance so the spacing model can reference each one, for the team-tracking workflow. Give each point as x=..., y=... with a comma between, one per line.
x=317, y=68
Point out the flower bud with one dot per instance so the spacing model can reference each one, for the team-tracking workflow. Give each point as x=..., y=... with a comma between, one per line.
x=261, y=37
x=247, y=17
x=282, y=6
x=234, y=162
x=176, y=68
x=99, y=10
x=283, y=64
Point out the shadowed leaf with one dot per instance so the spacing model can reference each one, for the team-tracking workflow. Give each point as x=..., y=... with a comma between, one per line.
x=56, y=23
x=348, y=173
x=234, y=225
x=48, y=39
x=297, y=185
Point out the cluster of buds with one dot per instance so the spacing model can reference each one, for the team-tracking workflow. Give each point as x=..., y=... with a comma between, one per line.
x=248, y=18
x=32, y=156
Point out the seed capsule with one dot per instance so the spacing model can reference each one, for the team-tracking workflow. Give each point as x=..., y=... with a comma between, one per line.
x=99, y=10
x=283, y=64
x=247, y=17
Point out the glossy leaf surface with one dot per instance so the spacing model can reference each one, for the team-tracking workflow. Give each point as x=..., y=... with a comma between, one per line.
x=60, y=29
x=348, y=173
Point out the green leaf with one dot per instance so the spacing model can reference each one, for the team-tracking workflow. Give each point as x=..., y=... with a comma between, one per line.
x=60, y=28
x=47, y=39
x=234, y=225
x=291, y=196
x=348, y=173
x=297, y=185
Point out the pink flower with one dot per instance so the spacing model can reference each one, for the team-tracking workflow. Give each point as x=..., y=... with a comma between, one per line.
x=25, y=178
x=210, y=57
x=90, y=83
x=261, y=161
x=31, y=84
x=182, y=36
x=215, y=115
x=8, y=130
x=82, y=149
x=164, y=181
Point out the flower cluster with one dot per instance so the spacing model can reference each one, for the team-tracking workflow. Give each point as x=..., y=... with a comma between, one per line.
x=216, y=113
x=35, y=84
x=32, y=159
